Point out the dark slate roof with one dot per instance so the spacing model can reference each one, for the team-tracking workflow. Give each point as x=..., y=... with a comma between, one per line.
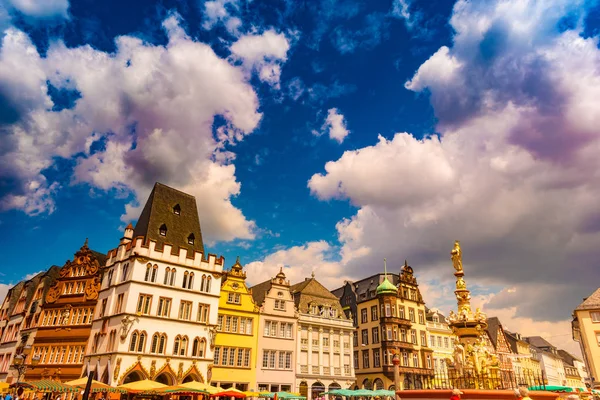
x=310, y=290
x=512, y=341
x=591, y=302
x=159, y=210
x=539, y=342
x=368, y=285
x=259, y=292
x=493, y=328
x=568, y=358
x=101, y=257
x=429, y=313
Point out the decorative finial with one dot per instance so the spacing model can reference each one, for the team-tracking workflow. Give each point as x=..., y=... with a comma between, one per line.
x=385, y=267
x=405, y=263
x=237, y=260
x=86, y=243
x=312, y=274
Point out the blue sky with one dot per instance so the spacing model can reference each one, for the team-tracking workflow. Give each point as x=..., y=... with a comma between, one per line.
x=316, y=136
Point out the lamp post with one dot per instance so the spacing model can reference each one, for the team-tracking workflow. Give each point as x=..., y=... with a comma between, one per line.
x=19, y=363
x=396, y=362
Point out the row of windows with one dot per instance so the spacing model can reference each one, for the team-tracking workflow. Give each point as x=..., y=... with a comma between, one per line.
x=387, y=359
x=137, y=344
x=315, y=343
x=278, y=329
x=74, y=316
x=284, y=359
x=436, y=341
x=77, y=287
x=59, y=354
x=389, y=310
x=391, y=333
x=323, y=310
x=169, y=278
x=234, y=324
x=232, y=357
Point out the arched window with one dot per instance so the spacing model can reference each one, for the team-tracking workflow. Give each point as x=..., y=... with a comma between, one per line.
x=191, y=280
x=167, y=274
x=208, y=280
x=191, y=238
x=185, y=279
x=177, y=209
x=184, y=345
x=195, y=345
x=125, y=269
x=173, y=272
x=148, y=272
x=142, y=343
x=202, y=348
x=203, y=283
x=162, y=231
x=134, y=341
x=176, y=345
x=154, y=344
x=154, y=272
x=162, y=343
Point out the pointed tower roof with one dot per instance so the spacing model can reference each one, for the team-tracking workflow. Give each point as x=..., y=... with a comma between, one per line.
x=177, y=212
x=386, y=287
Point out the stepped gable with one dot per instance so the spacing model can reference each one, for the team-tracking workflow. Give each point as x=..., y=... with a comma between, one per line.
x=178, y=212
x=591, y=302
x=311, y=291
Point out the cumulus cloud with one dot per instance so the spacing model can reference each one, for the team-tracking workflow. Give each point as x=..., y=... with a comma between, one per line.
x=263, y=54
x=151, y=109
x=513, y=174
x=222, y=12
x=40, y=8
x=298, y=263
x=334, y=126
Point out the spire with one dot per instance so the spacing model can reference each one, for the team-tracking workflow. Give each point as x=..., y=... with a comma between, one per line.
x=237, y=260
x=85, y=244
x=386, y=287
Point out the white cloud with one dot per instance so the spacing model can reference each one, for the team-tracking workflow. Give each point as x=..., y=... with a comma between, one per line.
x=162, y=98
x=298, y=263
x=4, y=288
x=262, y=53
x=221, y=11
x=41, y=8
x=513, y=174
x=335, y=126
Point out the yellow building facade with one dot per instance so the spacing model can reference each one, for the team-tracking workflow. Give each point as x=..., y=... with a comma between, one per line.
x=525, y=364
x=441, y=339
x=586, y=331
x=236, y=340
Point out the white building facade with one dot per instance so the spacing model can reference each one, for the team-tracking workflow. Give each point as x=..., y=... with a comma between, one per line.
x=325, y=341
x=277, y=333
x=158, y=303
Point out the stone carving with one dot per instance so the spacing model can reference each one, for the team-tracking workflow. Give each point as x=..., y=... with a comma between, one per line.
x=65, y=270
x=456, y=256
x=153, y=368
x=53, y=293
x=460, y=283
x=117, y=369
x=459, y=356
x=180, y=372
x=65, y=315
x=92, y=289
x=126, y=324
x=212, y=335
x=480, y=316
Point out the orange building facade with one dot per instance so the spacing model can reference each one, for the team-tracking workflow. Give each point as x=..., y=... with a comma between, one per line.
x=66, y=319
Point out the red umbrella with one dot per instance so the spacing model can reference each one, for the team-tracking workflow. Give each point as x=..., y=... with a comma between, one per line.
x=229, y=393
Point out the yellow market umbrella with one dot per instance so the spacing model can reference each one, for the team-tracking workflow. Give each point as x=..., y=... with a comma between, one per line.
x=96, y=386
x=201, y=386
x=141, y=386
x=3, y=386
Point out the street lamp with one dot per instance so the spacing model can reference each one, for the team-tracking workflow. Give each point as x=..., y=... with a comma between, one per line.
x=19, y=363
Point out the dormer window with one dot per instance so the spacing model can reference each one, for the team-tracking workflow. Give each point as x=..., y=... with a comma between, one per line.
x=436, y=319
x=191, y=238
x=177, y=210
x=162, y=230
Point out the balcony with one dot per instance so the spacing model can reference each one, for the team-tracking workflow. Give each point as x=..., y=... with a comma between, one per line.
x=398, y=345
x=388, y=370
x=397, y=320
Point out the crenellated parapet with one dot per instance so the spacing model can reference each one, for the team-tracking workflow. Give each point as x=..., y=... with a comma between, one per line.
x=137, y=248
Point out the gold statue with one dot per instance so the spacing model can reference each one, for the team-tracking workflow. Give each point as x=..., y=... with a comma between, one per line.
x=460, y=283
x=456, y=256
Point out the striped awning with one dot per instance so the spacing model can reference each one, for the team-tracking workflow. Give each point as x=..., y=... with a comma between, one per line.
x=49, y=386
